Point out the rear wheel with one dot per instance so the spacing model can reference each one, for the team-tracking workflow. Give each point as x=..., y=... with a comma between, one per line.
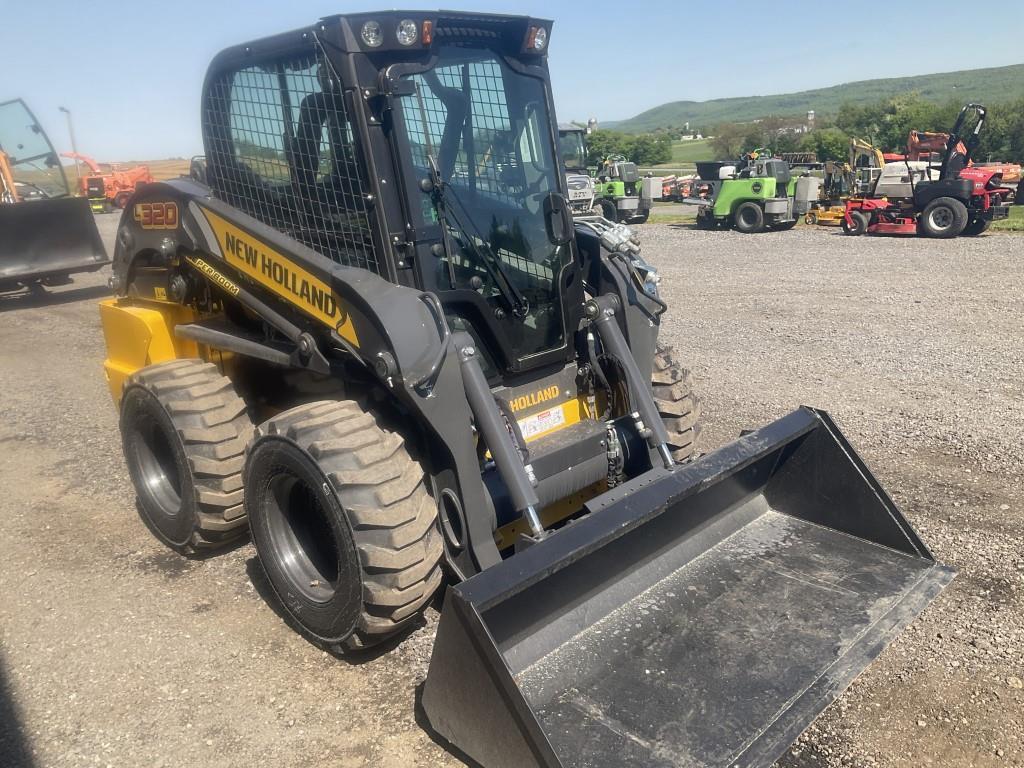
x=976, y=227
x=783, y=226
x=342, y=523
x=640, y=218
x=943, y=217
x=672, y=386
x=860, y=223
x=749, y=218
x=184, y=431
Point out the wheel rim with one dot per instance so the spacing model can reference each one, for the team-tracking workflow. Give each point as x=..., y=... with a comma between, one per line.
x=158, y=465
x=941, y=218
x=747, y=217
x=302, y=538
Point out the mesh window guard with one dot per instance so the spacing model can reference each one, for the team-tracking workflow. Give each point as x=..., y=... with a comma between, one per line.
x=281, y=147
x=492, y=129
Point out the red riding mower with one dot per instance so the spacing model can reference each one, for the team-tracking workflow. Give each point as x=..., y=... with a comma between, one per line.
x=963, y=200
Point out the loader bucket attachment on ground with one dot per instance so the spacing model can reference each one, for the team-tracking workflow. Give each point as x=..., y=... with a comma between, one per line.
x=699, y=617
x=48, y=240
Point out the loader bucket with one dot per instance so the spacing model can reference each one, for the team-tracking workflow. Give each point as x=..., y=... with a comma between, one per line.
x=47, y=240
x=697, y=617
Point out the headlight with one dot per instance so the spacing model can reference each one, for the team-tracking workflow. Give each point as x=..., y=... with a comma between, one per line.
x=407, y=32
x=372, y=34
x=540, y=39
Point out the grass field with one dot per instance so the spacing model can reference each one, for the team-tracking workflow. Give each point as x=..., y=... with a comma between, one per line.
x=1013, y=224
x=692, y=151
x=161, y=169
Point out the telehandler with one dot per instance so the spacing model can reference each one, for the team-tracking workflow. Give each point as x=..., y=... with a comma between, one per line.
x=379, y=342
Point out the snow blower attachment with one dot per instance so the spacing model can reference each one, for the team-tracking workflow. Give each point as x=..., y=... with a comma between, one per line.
x=703, y=617
x=45, y=234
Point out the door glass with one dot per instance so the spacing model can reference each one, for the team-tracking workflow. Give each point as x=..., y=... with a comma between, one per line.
x=486, y=129
x=34, y=163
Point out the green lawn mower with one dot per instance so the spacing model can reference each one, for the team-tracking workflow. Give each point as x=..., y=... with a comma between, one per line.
x=622, y=193
x=757, y=194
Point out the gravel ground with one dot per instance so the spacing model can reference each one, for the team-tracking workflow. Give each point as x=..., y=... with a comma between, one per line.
x=114, y=651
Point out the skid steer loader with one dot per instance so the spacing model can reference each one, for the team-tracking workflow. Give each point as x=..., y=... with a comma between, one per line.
x=379, y=342
x=46, y=235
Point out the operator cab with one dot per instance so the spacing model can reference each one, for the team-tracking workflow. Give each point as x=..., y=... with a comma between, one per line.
x=419, y=146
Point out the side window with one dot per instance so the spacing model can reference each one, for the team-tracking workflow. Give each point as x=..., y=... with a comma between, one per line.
x=257, y=124
x=281, y=147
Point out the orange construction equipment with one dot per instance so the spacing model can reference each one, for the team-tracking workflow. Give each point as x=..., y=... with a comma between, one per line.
x=921, y=144
x=111, y=189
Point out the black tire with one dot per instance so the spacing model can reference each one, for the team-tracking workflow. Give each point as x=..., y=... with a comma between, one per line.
x=749, y=218
x=943, y=217
x=976, y=227
x=706, y=222
x=641, y=218
x=184, y=430
x=786, y=225
x=860, y=223
x=608, y=209
x=342, y=523
x=679, y=407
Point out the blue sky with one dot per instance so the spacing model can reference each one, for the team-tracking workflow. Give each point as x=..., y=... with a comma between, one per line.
x=131, y=72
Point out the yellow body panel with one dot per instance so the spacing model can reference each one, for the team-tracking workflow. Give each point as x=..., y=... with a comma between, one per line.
x=284, y=277
x=555, y=512
x=826, y=217
x=137, y=336
x=551, y=420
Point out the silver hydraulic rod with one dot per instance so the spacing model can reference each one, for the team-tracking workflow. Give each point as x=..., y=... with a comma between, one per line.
x=489, y=421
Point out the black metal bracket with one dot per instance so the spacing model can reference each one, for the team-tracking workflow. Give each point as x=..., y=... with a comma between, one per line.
x=601, y=310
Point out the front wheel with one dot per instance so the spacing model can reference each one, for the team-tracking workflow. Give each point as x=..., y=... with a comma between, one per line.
x=343, y=524
x=811, y=218
x=706, y=221
x=608, y=210
x=859, y=223
x=943, y=217
x=672, y=386
x=749, y=218
x=976, y=227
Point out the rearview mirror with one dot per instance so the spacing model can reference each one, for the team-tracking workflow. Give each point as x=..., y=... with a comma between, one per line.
x=558, y=219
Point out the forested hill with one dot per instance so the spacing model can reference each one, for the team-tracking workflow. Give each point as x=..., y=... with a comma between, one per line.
x=997, y=84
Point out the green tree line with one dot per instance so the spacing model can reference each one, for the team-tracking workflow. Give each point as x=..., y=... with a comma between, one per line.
x=642, y=149
x=885, y=124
